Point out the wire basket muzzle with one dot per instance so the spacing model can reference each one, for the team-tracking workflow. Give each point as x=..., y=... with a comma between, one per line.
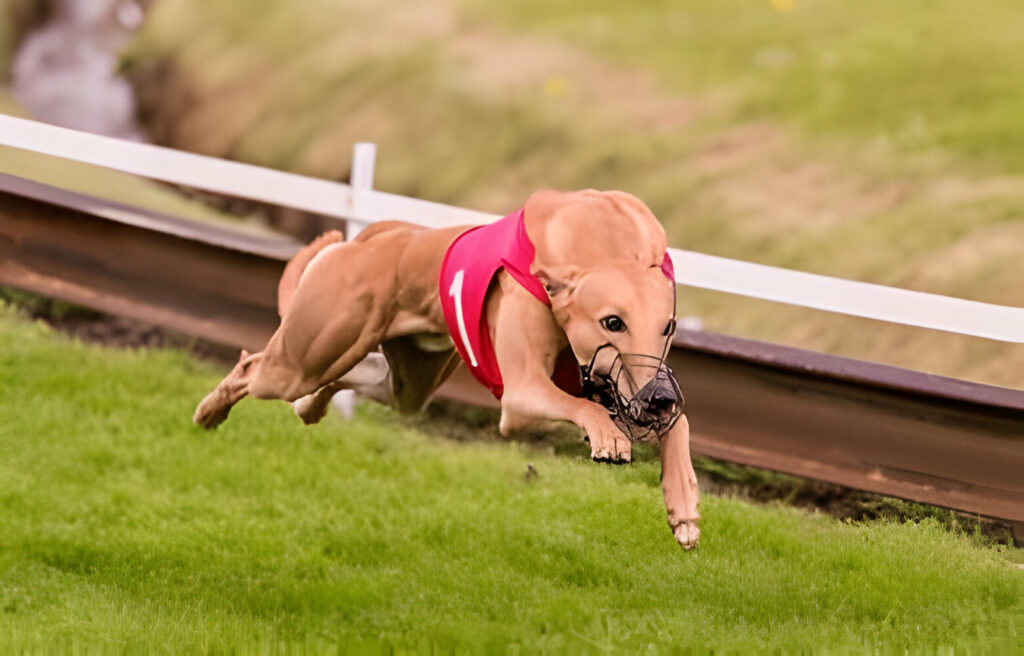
x=639, y=391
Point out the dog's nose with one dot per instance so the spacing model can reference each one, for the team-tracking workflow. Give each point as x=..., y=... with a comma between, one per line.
x=662, y=399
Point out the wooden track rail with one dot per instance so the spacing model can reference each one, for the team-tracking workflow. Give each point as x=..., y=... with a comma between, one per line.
x=868, y=426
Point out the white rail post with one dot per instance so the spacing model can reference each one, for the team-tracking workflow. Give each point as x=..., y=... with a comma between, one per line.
x=364, y=155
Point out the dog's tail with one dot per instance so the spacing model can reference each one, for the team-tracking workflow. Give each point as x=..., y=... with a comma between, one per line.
x=297, y=265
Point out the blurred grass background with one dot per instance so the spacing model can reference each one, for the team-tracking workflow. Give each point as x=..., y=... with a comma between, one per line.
x=874, y=141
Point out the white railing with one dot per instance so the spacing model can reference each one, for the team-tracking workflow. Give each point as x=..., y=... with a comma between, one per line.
x=362, y=205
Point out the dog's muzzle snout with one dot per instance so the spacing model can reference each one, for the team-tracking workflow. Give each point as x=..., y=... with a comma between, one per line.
x=640, y=411
x=659, y=395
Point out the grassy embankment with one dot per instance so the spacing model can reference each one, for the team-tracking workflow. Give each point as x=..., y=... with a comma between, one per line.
x=875, y=141
x=123, y=523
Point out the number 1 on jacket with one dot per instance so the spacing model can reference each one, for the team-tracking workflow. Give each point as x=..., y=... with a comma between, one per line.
x=455, y=291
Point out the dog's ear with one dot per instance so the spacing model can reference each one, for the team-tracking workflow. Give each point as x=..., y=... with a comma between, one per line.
x=560, y=281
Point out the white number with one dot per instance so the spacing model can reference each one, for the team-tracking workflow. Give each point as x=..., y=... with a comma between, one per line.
x=455, y=291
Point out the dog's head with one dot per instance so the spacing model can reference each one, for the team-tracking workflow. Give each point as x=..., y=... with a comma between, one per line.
x=600, y=257
x=619, y=322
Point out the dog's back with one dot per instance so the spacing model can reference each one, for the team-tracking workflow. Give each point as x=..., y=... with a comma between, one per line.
x=293, y=271
x=300, y=262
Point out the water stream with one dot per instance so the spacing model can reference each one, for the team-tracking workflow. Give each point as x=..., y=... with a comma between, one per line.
x=65, y=72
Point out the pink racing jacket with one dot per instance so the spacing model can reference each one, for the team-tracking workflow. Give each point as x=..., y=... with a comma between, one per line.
x=469, y=266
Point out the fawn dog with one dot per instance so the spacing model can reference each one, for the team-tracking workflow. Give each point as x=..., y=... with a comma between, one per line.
x=564, y=310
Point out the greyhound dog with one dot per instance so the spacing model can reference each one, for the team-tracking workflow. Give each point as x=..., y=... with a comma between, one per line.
x=575, y=282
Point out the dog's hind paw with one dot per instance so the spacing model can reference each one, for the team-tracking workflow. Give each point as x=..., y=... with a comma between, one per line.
x=310, y=409
x=209, y=415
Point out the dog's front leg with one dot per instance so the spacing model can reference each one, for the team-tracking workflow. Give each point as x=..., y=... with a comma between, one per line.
x=679, y=484
x=527, y=342
x=538, y=399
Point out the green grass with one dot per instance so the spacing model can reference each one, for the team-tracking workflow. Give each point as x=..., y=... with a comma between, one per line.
x=874, y=141
x=941, y=78
x=125, y=525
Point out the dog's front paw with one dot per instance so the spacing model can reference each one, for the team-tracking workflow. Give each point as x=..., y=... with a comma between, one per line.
x=608, y=444
x=685, y=532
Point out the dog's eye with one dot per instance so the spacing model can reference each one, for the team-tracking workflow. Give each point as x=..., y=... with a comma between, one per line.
x=613, y=323
x=670, y=328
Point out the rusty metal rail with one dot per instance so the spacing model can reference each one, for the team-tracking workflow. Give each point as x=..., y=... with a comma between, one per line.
x=868, y=426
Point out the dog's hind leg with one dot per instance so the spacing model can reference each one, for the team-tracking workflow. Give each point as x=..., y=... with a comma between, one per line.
x=406, y=380
x=419, y=365
x=267, y=375
x=369, y=378
x=339, y=313
x=336, y=318
x=313, y=407
x=214, y=409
